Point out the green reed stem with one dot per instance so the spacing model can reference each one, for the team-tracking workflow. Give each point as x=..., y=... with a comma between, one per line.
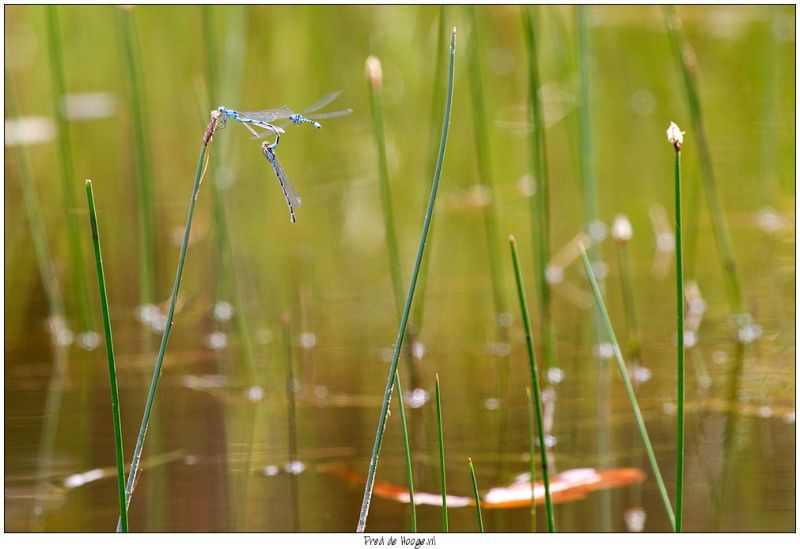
x=374, y=79
x=685, y=60
x=33, y=210
x=589, y=196
x=80, y=285
x=79, y=280
x=680, y=328
x=112, y=367
x=490, y=223
x=588, y=188
x=537, y=395
x=623, y=372
x=475, y=495
x=483, y=157
x=147, y=228
x=406, y=451
x=442, y=473
x=362, y=519
x=532, y=451
x=162, y=351
x=141, y=160
x=540, y=200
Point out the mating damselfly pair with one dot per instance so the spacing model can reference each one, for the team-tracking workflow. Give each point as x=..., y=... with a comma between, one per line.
x=273, y=121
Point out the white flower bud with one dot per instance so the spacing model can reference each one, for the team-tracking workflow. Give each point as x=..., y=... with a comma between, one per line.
x=675, y=135
x=621, y=229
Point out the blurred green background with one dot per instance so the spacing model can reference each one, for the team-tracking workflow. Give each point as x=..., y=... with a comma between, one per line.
x=219, y=428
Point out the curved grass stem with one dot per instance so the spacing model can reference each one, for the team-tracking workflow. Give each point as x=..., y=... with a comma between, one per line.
x=151, y=395
x=537, y=395
x=475, y=495
x=79, y=281
x=685, y=60
x=623, y=372
x=147, y=226
x=375, y=81
x=362, y=519
x=540, y=199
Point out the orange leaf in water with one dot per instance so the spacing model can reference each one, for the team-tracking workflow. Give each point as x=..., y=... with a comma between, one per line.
x=569, y=485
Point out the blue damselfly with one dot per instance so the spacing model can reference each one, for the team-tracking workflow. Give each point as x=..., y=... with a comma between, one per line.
x=289, y=192
x=271, y=121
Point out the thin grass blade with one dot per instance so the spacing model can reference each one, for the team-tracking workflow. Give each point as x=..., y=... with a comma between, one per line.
x=623, y=372
x=362, y=519
x=476, y=495
x=442, y=474
x=162, y=351
x=112, y=367
x=532, y=452
x=537, y=395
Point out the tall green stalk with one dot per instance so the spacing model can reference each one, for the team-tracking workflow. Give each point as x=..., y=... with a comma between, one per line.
x=685, y=60
x=79, y=280
x=623, y=372
x=362, y=519
x=33, y=210
x=162, y=351
x=483, y=156
x=490, y=224
x=476, y=495
x=589, y=198
x=147, y=228
x=537, y=395
x=532, y=453
x=148, y=280
x=588, y=187
x=112, y=367
x=540, y=199
x=406, y=453
x=86, y=338
x=375, y=80
x=675, y=137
